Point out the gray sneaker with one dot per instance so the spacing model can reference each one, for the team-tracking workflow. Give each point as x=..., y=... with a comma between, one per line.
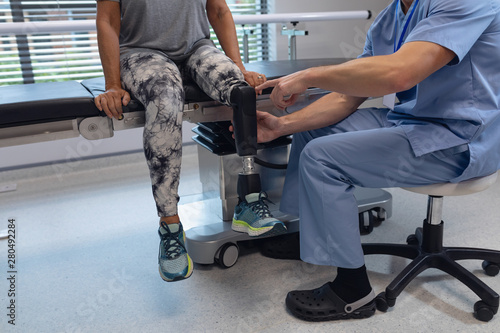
x=254, y=217
x=174, y=262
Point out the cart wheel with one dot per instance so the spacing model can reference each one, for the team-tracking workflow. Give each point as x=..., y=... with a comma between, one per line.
x=366, y=222
x=381, y=215
x=227, y=255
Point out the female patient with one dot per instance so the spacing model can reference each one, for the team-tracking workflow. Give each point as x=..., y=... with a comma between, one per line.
x=147, y=49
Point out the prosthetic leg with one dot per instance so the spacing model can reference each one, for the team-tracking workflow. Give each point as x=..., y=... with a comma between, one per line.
x=243, y=100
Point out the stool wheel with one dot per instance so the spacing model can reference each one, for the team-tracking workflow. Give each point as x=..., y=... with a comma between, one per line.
x=491, y=268
x=483, y=311
x=412, y=239
x=227, y=255
x=381, y=302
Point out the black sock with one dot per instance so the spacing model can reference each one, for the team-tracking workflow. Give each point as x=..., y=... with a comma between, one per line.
x=351, y=284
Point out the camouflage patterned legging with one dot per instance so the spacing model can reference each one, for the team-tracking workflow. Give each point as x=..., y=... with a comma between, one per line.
x=157, y=82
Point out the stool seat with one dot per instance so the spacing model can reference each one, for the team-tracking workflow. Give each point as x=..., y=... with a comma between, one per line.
x=454, y=189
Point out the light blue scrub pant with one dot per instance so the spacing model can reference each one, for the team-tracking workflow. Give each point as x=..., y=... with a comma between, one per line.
x=363, y=150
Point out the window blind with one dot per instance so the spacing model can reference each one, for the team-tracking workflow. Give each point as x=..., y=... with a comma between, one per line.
x=42, y=57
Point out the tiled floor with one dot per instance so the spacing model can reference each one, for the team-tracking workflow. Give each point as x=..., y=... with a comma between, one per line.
x=86, y=261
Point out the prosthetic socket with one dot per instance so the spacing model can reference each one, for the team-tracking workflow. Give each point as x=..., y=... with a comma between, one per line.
x=243, y=101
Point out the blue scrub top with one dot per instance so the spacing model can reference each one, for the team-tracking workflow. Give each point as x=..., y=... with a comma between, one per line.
x=460, y=103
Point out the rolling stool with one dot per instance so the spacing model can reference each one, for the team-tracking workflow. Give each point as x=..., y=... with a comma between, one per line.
x=426, y=250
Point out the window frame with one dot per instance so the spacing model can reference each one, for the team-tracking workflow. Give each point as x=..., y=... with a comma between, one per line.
x=42, y=57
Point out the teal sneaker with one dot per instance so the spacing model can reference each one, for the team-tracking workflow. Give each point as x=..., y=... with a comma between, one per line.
x=174, y=262
x=253, y=217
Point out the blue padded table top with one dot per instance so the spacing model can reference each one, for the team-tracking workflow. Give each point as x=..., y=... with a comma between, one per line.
x=53, y=101
x=279, y=68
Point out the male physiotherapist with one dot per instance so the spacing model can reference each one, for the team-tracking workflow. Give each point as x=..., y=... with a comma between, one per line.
x=437, y=64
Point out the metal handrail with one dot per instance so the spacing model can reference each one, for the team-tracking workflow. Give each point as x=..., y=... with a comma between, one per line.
x=26, y=28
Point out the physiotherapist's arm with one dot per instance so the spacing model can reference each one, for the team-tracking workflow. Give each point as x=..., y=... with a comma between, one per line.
x=328, y=110
x=366, y=77
x=382, y=75
x=351, y=83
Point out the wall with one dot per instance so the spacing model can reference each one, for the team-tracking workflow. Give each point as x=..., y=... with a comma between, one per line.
x=325, y=39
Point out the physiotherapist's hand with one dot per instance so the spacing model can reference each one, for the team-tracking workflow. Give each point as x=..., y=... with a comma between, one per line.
x=111, y=102
x=286, y=89
x=268, y=127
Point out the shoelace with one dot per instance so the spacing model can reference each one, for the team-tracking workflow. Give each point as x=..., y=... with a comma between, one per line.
x=260, y=207
x=171, y=244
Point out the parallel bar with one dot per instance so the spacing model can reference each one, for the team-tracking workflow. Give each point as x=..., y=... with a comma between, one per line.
x=302, y=17
x=26, y=28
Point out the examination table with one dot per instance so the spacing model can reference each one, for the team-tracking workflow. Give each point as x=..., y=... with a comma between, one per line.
x=57, y=110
